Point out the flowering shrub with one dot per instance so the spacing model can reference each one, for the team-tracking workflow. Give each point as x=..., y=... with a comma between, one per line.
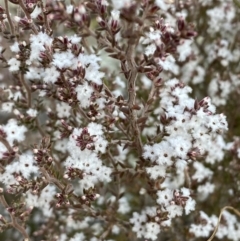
x=114, y=120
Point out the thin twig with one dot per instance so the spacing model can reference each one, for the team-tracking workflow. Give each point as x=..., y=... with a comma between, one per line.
x=50, y=179
x=119, y=126
x=132, y=95
x=40, y=129
x=150, y=96
x=46, y=22
x=34, y=29
x=82, y=113
x=9, y=18
x=28, y=90
x=105, y=233
x=85, y=45
x=14, y=222
x=219, y=219
x=120, y=141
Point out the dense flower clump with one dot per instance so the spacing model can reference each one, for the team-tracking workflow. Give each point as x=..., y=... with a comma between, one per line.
x=119, y=120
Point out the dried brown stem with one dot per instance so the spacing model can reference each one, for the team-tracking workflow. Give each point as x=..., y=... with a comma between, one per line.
x=9, y=18
x=14, y=222
x=119, y=126
x=34, y=29
x=28, y=90
x=51, y=179
x=132, y=94
x=219, y=219
x=40, y=129
x=82, y=113
x=46, y=22
x=150, y=96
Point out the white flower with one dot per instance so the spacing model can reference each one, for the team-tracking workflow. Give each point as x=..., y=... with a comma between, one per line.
x=15, y=48
x=61, y=145
x=169, y=64
x=115, y=14
x=26, y=165
x=63, y=110
x=202, y=172
x=174, y=210
x=34, y=73
x=69, y=9
x=92, y=67
x=7, y=106
x=202, y=230
x=84, y=93
x=149, y=153
x=204, y=190
x=42, y=201
x=100, y=145
x=190, y=205
x=32, y=112
x=14, y=131
x=118, y=81
x=184, y=50
x=150, y=49
x=37, y=10
x=50, y=75
x=7, y=177
x=123, y=206
x=164, y=197
x=64, y=60
x=163, y=5
x=180, y=146
x=14, y=64
x=95, y=129
x=38, y=43
x=156, y=171
x=152, y=230
x=78, y=237
x=121, y=4
x=74, y=39
x=115, y=229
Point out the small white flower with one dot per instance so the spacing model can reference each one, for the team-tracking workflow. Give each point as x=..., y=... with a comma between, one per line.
x=152, y=230
x=121, y=4
x=169, y=64
x=100, y=145
x=63, y=110
x=164, y=197
x=190, y=205
x=14, y=131
x=15, y=48
x=69, y=9
x=7, y=107
x=123, y=206
x=78, y=237
x=32, y=112
x=38, y=43
x=84, y=93
x=50, y=75
x=26, y=165
x=37, y=10
x=156, y=171
x=64, y=60
x=14, y=64
x=74, y=39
